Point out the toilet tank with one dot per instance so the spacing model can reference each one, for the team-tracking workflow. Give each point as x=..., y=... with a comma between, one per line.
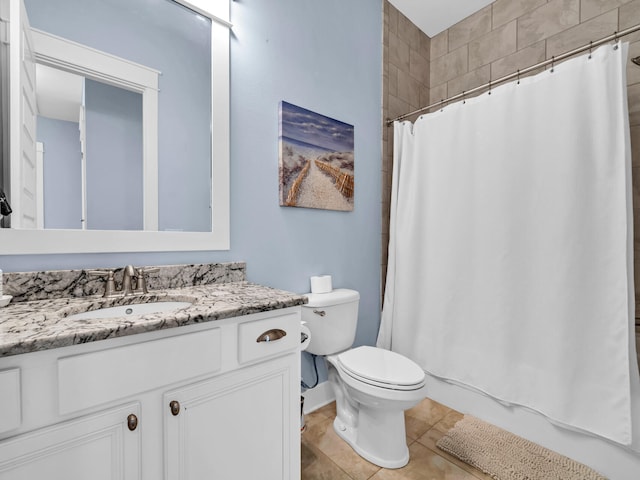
x=332, y=319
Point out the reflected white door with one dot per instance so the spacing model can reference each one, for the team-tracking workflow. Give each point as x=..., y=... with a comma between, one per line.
x=22, y=125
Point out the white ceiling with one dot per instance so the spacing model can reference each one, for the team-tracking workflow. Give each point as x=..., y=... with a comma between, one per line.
x=58, y=93
x=434, y=16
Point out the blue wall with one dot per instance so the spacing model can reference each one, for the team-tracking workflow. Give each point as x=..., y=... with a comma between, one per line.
x=325, y=56
x=61, y=172
x=114, y=158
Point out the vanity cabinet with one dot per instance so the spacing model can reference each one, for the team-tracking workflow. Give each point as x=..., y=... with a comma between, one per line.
x=213, y=400
x=99, y=447
x=233, y=427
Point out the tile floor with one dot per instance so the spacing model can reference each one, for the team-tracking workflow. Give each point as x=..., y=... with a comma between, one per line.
x=325, y=456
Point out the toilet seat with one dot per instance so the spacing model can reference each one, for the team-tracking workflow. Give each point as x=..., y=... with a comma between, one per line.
x=381, y=368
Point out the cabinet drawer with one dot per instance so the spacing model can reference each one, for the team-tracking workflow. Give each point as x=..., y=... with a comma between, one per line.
x=253, y=345
x=10, y=388
x=95, y=378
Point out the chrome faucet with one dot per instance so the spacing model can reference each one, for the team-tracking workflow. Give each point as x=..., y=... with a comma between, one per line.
x=133, y=281
x=128, y=273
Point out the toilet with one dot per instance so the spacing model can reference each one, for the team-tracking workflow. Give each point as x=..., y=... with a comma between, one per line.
x=373, y=387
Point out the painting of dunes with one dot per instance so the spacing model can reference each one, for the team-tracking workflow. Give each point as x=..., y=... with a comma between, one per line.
x=316, y=160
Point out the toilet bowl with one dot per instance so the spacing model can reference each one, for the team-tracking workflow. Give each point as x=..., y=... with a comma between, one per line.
x=373, y=387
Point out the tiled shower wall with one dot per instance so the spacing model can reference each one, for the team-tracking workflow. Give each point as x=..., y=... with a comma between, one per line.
x=499, y=39
x=405, y=87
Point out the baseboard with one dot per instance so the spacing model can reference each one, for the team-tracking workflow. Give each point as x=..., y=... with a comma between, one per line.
x=318, y=397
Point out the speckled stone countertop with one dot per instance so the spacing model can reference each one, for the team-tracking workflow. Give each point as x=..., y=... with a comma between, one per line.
x=31, y=326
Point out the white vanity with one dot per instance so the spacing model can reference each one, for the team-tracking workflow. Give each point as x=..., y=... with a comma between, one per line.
x=214, y=396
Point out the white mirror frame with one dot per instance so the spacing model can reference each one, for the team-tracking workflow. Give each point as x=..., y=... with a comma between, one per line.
x=49, y=241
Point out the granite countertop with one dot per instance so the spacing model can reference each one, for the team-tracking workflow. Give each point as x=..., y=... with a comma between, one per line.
x=41, y=325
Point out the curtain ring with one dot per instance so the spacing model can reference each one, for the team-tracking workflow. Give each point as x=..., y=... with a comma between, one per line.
x=615, y=40
x=518, y=77
x=590, y=49
x=553, y=59
x=489, y=87
x=442, y=104
x=463, y=99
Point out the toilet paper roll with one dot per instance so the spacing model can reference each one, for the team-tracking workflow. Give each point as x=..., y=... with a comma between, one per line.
x=321, y=284
x=305, y=337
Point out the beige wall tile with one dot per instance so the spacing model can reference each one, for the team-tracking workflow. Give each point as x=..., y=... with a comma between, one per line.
x=425, y=46
x=633, y=70
x=547, y=20
x=629, y=15
x=397, y=107
x=471, y=27
x=408, y=32
x=575, y=37
x=635, y=176
x=408, y=89
x=506, y=10
x=633, y=98
x=519, y=60
x=468, y=81
x=393, y=80
x=425, y=94
x=496, y=44
x=392, y=17
x=398, y=52
x=635, y=154
x=418, y=66
x=449, y=66
x=438, y=93
x=593, y=8
x=440, y=44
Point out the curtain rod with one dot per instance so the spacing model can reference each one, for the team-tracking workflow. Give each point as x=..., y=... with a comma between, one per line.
x=615, y=36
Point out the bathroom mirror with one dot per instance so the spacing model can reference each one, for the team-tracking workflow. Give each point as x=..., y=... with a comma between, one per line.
x=167, y=205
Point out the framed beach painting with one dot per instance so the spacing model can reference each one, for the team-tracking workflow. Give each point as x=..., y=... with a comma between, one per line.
x=316, y=160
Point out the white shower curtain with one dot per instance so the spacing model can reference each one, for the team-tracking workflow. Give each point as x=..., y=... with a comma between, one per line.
x=510, y=258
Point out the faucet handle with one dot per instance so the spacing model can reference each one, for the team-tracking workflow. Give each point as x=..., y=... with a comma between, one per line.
x=141, y=284
x=110, y=286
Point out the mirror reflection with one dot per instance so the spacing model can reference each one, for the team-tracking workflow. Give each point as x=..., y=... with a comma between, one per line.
x=90, y=135
x=89, y=138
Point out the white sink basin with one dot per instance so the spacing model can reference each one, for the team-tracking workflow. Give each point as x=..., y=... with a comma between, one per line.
x=130, y=310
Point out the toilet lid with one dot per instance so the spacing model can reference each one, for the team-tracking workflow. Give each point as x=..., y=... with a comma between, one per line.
x=381, y=367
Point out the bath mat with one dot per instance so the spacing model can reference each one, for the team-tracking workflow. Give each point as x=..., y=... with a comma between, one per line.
x=505, y=456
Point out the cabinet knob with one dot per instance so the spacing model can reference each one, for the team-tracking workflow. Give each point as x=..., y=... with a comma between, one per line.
x=175, y=407
x=132, y=422
x=271, y=335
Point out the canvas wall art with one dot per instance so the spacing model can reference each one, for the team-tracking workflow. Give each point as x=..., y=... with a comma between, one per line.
x=316, y=160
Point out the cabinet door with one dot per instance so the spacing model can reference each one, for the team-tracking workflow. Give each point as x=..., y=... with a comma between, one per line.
x=96, y=447
x=243, y=425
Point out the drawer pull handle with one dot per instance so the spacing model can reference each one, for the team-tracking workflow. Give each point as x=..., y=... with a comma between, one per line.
x=132, y=422
x=271, y=335
x=175, y=407
x=322, y=313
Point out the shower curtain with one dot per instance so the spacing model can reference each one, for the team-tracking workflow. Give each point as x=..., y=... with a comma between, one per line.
x=510, y=260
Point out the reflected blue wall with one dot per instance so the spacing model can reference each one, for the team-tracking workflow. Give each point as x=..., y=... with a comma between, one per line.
x=114, y=158
x=61, y=172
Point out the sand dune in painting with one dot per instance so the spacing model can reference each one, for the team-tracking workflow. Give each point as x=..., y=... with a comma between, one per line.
x=315, y=179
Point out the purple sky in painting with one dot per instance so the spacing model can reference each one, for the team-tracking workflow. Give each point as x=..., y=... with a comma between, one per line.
x=304, y=125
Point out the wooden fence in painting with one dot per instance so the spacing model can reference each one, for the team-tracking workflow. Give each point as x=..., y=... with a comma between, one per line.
x=343, y=181
x=292, y=196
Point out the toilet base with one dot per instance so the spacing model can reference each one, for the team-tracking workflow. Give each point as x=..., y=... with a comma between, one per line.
x=350, y=435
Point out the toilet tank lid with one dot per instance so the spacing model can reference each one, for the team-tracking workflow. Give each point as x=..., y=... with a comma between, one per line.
x=334, y=297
